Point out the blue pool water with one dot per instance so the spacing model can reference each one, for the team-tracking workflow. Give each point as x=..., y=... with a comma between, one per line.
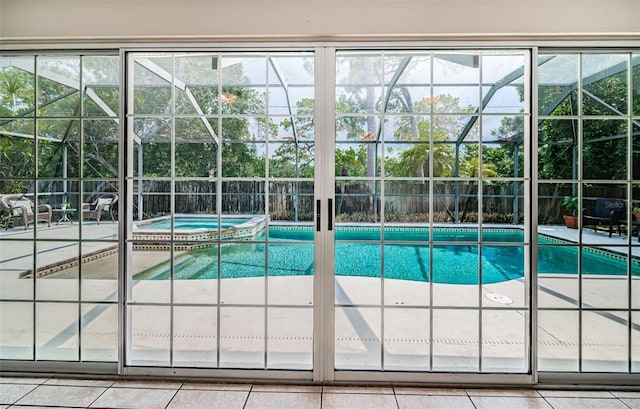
x=290, y=252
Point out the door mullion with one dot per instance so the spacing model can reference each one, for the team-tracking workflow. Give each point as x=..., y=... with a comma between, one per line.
x=324, y=194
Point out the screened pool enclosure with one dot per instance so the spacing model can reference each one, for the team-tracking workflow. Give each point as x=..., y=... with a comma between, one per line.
x=323, y=214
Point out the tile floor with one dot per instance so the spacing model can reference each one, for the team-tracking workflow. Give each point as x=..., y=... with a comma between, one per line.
x=36, y=393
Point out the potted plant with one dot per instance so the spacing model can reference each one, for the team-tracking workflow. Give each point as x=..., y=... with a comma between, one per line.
x=570, y=204
x=636, y=212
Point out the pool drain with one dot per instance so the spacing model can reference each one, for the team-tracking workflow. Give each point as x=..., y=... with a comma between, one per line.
x=499, y=298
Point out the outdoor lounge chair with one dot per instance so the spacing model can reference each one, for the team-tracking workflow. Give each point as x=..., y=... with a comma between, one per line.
x=608, y=213
x=20, y=207
x=104, y=203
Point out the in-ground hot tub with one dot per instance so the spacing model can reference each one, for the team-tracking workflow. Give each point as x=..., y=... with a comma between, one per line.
x=187, y=231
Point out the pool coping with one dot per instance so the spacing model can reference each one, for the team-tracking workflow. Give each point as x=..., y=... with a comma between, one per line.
x=69, y=262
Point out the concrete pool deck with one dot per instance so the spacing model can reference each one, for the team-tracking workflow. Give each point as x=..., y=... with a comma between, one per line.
x=408, y=341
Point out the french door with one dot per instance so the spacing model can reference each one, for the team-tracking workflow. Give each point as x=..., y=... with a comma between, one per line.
x=316, y=212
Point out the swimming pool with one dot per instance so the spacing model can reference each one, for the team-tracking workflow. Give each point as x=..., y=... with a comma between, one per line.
x=290, y=253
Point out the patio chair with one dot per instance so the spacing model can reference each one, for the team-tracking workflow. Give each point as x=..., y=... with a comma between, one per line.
x=608, y=213
x=103, y=203
x=19, y=207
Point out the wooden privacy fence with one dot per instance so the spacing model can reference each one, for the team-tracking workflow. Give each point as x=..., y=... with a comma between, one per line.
x=286, y=199
x=355, y=201
x=290, y=200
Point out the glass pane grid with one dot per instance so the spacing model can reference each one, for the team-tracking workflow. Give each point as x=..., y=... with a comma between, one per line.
x=585, y=277
x=392, y=238
x=586, y=270
x=221, y=260
x=73, y=146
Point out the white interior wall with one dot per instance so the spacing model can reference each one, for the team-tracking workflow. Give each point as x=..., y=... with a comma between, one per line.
x=30, y=20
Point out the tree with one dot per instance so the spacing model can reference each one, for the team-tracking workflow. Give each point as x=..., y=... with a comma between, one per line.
x=604, y=146
x=351, y=161
x=470, y=164
x=58, y=136
x=414, y=160
x=294, y=155
x=17, y=153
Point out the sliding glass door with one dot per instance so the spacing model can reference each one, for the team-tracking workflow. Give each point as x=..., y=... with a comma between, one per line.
x=322, y=214
x=59, y=152
x=432, y=225
x=221, y=184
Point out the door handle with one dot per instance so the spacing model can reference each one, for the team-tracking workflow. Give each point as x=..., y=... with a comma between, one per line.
x=319, y=214
x=318, y=217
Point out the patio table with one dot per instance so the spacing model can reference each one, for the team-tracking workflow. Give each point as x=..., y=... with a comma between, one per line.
x=65, y=214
